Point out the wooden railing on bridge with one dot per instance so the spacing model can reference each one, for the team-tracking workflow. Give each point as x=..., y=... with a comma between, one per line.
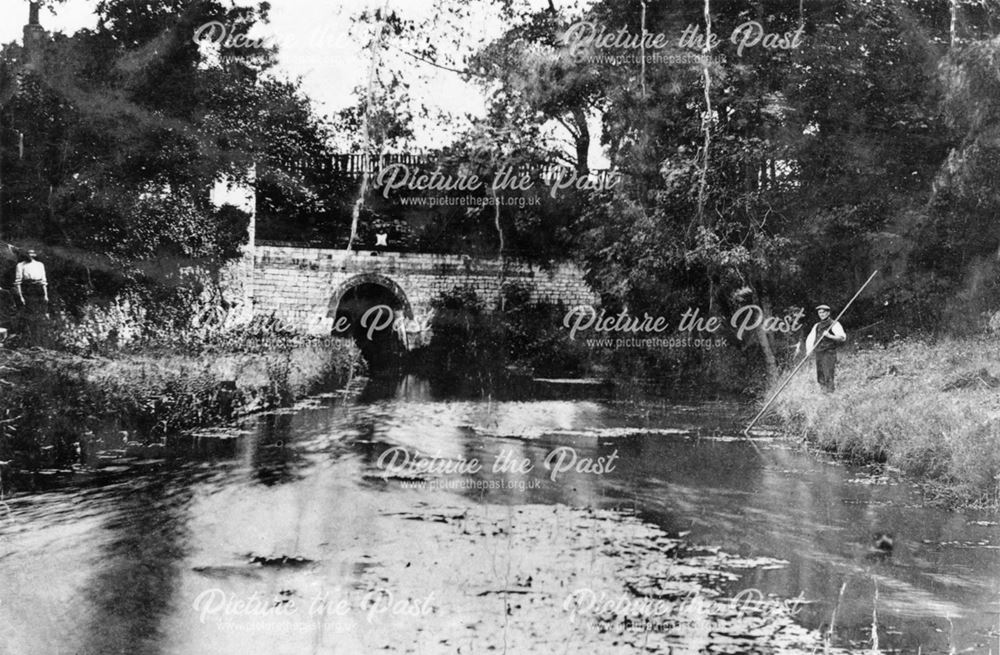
x=354, y=166
x=357, y=165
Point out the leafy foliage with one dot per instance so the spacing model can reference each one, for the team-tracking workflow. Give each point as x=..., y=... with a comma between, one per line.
x=519, y=332
x=113, y=138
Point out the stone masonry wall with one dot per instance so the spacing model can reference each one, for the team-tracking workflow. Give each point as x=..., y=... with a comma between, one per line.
x=298, y=285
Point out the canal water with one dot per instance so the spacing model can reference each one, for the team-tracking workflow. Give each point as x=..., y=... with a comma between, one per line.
x=128, y=562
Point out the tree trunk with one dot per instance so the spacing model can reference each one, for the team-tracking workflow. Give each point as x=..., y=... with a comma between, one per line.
x=765, y=341
x=642, y=52
x=706, y=123
x=582, y=141
x=366, y=127
x=953, y=29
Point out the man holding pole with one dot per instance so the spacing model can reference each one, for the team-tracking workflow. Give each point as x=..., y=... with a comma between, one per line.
x=824, y=338
x=814, y=336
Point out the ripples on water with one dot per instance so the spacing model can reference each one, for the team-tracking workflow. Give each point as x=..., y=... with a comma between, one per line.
x=112, y=566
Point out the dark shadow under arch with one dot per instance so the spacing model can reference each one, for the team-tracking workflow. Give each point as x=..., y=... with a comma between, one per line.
x=369, y=279
x=380, y=339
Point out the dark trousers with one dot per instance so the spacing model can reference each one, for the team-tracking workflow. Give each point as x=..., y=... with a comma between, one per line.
x=826, y=364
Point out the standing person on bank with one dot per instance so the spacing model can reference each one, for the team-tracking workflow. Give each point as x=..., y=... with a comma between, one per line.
x=825, y=337
x=32, y=288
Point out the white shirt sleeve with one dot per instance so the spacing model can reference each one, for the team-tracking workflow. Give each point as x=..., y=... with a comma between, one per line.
x=811, y=339
x=837, y=331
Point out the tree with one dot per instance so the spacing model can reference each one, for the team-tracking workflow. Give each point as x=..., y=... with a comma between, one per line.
x=126, y=127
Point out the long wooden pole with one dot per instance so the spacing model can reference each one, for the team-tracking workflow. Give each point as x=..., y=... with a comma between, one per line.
x=746, y=431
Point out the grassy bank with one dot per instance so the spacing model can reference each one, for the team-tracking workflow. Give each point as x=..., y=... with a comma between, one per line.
x=59, y=408
x=930, y=409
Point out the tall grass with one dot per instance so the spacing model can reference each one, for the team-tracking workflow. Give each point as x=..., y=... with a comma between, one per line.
x=930, y=409
x=54, y=403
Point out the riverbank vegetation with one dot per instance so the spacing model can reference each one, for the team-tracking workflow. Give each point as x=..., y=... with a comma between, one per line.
x=526, y=336
x=60, y=409
x=518, y=333
x=929, y=408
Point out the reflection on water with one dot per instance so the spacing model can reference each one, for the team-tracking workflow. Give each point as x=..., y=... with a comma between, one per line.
x=115, y=568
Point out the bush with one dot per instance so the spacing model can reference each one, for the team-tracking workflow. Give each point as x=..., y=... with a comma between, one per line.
x=519, y=333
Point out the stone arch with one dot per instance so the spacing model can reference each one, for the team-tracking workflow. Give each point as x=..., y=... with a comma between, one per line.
x=369, y=278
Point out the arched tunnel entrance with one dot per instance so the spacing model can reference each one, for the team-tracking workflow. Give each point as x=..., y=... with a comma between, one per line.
x=370, y=304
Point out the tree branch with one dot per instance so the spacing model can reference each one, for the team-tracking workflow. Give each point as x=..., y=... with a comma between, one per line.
x=437, y=65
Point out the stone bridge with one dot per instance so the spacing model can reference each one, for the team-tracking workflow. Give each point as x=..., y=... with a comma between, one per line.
x=313, y=289
x=307, y=288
